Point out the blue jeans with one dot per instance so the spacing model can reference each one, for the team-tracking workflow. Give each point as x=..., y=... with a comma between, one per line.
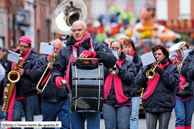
x=134, y=113
x=50, y=112
x=152, y=117
x=116, y=117
x=28, y=105
x=183, y=112
x=78, y=120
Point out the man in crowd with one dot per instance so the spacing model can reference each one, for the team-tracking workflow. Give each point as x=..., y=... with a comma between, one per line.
x=81, y=43
x=24, y=94
x=54, y=99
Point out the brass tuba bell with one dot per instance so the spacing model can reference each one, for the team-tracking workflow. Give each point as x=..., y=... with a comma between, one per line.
x=66, y=13
x=178, y=49
x=180, y=55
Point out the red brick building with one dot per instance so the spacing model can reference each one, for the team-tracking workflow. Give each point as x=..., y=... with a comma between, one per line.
x=34, y=17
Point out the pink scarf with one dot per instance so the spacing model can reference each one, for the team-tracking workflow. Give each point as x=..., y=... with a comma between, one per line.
x=121, y=98
x=11, y=105
x=132, y=53
x=71, y=59
x=152, y=83
x=181, y=83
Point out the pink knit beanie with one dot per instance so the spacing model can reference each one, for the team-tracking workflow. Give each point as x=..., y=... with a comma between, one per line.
x=25, y=39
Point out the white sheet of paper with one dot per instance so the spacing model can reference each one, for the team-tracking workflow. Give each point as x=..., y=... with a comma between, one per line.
x=148, y=58
x=115, y=52
x=129, y=57
x=46, y=48
x=186, y=52
x=13, y=57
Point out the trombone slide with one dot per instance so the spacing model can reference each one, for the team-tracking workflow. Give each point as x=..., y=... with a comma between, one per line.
x=37, y=86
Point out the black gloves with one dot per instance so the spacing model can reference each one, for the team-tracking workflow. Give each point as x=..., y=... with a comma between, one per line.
x=149, y=67
x=159, y=70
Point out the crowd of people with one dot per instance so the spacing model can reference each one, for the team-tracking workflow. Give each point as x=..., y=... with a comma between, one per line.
x=167, y=90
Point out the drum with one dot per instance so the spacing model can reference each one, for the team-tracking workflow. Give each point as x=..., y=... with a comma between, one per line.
x=86, y=87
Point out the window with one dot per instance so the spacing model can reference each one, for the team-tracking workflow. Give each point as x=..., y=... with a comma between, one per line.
x=185, y=9
x=161, y=10
x=54, y=35
x=48, y=31
x=2, y=42
x=38, y=39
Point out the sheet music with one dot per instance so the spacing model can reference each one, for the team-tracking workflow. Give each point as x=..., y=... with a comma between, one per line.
x=186, y=52
x=13, y=57
x=115, y=52
x=128, y=57
x=148, y=58
x=46, y=48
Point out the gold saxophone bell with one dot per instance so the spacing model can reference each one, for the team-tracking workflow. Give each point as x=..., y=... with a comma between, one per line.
x=51, y=61
x=150, y=74
x=13, y=77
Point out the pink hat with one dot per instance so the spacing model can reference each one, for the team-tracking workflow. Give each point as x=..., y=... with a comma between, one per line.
x=25, y=39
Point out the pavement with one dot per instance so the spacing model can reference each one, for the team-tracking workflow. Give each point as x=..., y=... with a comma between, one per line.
x=38, y=118
x=142, y=122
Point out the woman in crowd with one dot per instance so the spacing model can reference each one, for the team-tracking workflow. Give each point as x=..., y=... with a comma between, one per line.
x=131, y=51
x=159, y=96
x=184, y=93
x=117, y=93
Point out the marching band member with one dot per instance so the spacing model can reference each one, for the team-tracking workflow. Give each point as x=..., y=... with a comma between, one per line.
x=159, y=96
x=130, y=49
x=117, y=93
x=81, y=43
x=24, y=94
x=184, y=102
x=54, y=99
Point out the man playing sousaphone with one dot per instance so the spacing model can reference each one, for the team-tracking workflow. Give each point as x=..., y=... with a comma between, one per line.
x=54, y=100
x=24, y=94
x=81, y=43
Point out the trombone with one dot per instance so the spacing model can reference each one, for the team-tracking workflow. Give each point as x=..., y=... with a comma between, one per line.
x=150, y=74
x=51, y=61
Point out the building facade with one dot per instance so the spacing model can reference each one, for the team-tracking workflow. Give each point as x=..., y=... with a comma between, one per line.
x=34, y=17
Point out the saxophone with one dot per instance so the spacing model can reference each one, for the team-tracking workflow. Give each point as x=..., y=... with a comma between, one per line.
x=13, y=77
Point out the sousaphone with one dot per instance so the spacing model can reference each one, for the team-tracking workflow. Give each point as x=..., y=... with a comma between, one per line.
x=66, y=13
